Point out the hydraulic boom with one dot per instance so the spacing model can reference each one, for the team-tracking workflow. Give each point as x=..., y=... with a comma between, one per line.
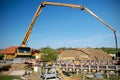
x=43, y=4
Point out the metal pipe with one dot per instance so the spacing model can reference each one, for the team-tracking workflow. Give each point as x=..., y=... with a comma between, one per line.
x=90, y=12
x=116, y=44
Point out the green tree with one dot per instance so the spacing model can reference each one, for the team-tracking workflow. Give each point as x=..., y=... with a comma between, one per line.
x=110, y=50
x=1, y=56
x=48, y=54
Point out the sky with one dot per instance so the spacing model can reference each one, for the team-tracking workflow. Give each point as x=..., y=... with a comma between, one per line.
x=59, y=26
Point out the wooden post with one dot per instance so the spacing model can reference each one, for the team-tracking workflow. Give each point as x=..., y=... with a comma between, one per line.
x=89, y=69
x=67, y=67
x=116, y=70
x=81, y=67
x=74, y=67
x=40, y=69
x=98, y=69
x=90, y=62
x=107, y=72
x=99, y=62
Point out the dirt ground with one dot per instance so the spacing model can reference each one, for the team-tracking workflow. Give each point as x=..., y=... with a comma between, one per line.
x=9, y=68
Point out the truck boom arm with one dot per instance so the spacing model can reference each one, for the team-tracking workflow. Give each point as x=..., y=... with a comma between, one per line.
x=27, y=35
x=43, y=4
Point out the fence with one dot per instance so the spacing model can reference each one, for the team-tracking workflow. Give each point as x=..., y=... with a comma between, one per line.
x=90, y=66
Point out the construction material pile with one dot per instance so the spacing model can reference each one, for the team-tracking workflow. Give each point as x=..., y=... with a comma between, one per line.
x=84, y=54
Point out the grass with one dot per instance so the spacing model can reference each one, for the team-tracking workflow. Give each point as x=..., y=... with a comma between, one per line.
x=114, y=77
x=8, y=77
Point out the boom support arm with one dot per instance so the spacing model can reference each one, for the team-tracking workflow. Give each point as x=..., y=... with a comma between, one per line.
x=23, y=44
x=27, y=35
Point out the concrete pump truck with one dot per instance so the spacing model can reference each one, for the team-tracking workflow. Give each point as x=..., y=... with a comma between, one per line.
x=23, y=50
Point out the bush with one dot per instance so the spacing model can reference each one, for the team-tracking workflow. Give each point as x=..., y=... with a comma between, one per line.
x=48, y=54
x=1, y=56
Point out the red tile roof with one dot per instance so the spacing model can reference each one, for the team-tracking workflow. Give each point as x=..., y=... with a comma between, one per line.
x=1, y=51
x=35, y=51
x=10, y=50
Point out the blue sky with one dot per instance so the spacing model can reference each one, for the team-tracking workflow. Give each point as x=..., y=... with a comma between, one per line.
x=59, y=26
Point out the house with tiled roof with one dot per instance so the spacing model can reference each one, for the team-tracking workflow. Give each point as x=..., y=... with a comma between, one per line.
x=14, y=52
x=9, y=52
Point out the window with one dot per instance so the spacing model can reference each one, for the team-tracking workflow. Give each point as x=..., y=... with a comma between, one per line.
x=24, y=50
